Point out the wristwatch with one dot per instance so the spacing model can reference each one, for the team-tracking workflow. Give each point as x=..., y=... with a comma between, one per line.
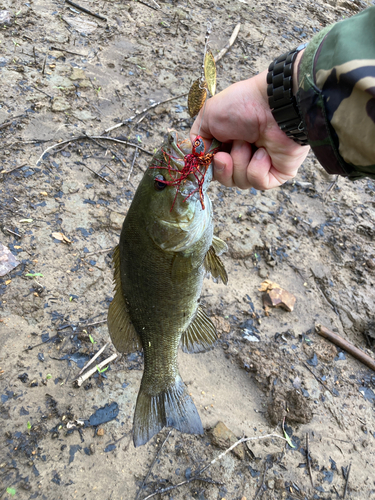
x=281, y=100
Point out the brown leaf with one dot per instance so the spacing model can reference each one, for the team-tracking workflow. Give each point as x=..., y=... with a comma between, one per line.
x=268, y=285
x=61, y=237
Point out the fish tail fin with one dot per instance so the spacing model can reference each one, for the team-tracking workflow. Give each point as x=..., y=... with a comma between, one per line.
x=172, y=408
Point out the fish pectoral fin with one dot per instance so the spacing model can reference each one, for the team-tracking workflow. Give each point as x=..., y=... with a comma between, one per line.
x=214, y=265
x=200, y=335
x=219, y=245
x=172, y=408
x=122, y=331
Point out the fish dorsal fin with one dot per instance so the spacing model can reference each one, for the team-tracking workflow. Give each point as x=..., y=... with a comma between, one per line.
x=214, y=265
x=201, y=334
x=121, y=329
x=219, y=245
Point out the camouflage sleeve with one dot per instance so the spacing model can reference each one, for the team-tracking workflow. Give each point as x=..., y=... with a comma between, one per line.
x=336, y=96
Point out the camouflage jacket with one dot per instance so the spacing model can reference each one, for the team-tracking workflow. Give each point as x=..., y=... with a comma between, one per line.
x=336, y=96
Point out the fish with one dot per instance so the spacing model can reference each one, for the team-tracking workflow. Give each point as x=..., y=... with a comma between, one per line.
x=166, y=248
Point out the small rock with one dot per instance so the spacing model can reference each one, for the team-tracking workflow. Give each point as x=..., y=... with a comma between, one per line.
x=223, y=437
x=365, y=443
x=78, y=74
x=92, y=449
x=60, y=104
x=271, y=484
x=100, y=431
x=263, y=273
x=244, y=248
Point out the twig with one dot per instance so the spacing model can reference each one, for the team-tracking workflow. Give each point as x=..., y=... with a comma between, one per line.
x=133, y=162
x=42, y=91
x=144, y=111
x=104, y=250
x=242, y=440
x=318, y=379
x=148, y=5
x=175, y=486
x=96, y=173
x=308, y=459
x=232, y=39
x=346, y=345
x=68, y=51
x=104, y=147
x=44, y=63
x=13, y=169
x=92, y=359
x=152, y=465
x=263, y=480
x=79, y=138
x=347, y=481
x=197, y=477
x=87, y=11
x=88, y=374
x=12, y=232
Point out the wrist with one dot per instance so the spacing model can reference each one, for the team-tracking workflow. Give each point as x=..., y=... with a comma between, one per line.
x=296, y=71
x=282, y=84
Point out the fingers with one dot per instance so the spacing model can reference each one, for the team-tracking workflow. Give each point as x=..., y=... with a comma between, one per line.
x=242, y=169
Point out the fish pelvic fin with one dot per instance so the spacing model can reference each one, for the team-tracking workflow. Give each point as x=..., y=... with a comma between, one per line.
x=122, y=331
x=214, y=265
x=200, y=335
x=173, y=408
x=219, y=245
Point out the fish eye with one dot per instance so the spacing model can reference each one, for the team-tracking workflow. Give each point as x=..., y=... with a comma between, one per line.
x=159, y=183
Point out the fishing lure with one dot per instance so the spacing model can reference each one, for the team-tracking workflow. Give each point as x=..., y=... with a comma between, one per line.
x=195, y=163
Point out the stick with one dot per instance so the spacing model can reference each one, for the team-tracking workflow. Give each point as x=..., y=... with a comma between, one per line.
x=232, y=39
x=104, y=250
x=263, y=480
x=152, y=465
x=79, y=138
x=68, y=51
x=104, y=147
x=308, y=459
x=318, y=379
x=134, y=158
x=347, y=480
x=87, y=11
x=13, y=169
x=96, y=173
x=42, y=91
x=175, y=486
x=88, y=374
x=93, y=359
x=148, y=5
x=346, y=345
x=144, y=111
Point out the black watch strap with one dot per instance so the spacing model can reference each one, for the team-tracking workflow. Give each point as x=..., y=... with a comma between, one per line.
x=282, y=102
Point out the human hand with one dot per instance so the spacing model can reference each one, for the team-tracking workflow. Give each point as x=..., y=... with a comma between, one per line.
x=240, y=116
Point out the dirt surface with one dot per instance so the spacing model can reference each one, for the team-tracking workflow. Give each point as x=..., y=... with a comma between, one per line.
x=64, y=74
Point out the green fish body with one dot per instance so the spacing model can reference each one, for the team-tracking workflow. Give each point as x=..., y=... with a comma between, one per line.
x=163, y=256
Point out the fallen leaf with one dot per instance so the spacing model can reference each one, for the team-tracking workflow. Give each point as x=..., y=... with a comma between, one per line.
x=268, y=285
x=61, y=237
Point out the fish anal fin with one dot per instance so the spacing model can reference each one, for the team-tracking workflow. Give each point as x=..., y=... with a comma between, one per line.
x=172, y=408
x=200, y=335
x=214, y=265
x=120, y=327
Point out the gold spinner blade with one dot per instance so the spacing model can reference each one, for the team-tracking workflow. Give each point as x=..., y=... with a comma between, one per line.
x=210, y=71
x=197, y=96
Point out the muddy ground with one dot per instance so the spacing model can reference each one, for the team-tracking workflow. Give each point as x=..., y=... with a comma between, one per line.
x=64, y=74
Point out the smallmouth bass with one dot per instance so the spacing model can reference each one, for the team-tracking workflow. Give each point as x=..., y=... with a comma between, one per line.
x=166, y=248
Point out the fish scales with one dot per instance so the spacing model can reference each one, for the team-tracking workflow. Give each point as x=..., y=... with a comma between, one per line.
x=160, y=264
